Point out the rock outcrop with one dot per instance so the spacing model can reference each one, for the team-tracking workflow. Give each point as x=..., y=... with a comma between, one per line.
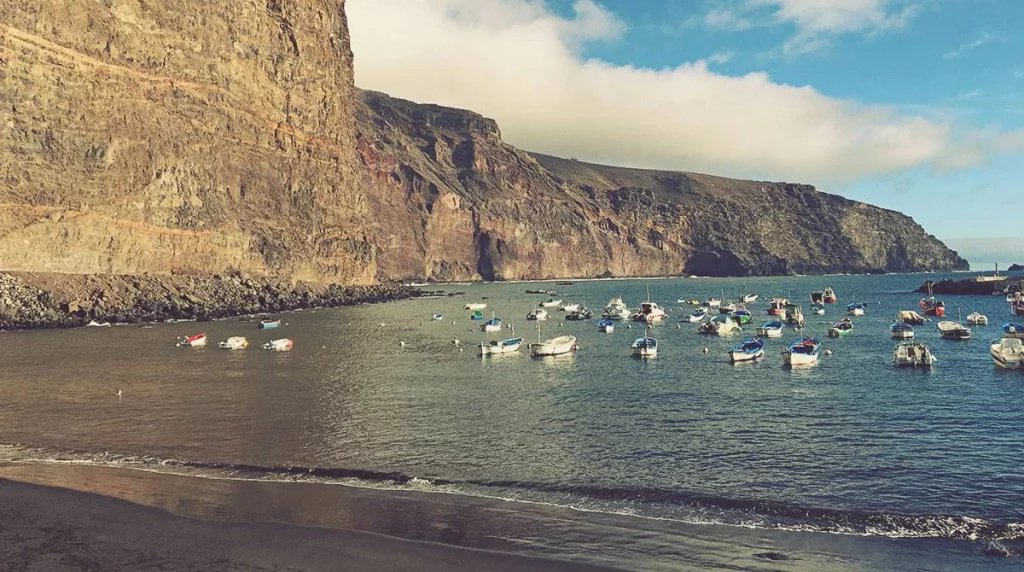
x=456, y=203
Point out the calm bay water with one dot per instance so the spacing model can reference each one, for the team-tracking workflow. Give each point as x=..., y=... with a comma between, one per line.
x=849, y=445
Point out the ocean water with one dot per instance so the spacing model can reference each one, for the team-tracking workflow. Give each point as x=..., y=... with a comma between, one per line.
x=848, y=446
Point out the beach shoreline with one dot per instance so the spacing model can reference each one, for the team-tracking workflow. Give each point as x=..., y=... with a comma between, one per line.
x=118, y=518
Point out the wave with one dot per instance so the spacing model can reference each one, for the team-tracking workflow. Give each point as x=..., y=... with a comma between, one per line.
x=645, y=502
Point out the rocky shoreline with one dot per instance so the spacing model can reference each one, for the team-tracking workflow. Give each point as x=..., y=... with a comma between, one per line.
x=39, y=300
x=973, y=287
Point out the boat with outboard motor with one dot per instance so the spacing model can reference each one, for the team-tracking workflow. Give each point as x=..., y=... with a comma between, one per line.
x=910, y=354
x=803, y=351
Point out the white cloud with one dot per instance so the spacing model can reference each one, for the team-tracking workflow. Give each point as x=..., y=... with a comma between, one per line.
x=518, y=62
x=727, y=20
x=722, y=57
x=981, y=40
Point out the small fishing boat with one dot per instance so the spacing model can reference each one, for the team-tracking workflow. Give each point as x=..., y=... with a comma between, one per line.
x=538, y=315
x=910, y=317
x=495, y=347
x=697, y=315
x=804, y=351
x=95, y=324
x=713, y=302
x=751, y=349
x=829, y=296
x=841, y=328
x=234, y=343
x=909, y=354
x=550, y=303
x=726, y=308
x=196, y=341
x=548, y=292
x=932, y=307
x=569, y=307
x=817, y=297
x=1013, y=331
x=1017, y=308
x=606, y=325
x=818, y=310
x=476, y=315
x=720, y=325
x=901, y=331
x=553, y=347
x=436, y=317
x=649, y=312
x=270, y=324
x=1008, y=353
x=616, y=310
x=492, y=325
x=977, y=319
x=741, y=316
x=690, y=302
x=777, y=307
x=645, y=347
x=953, y=330
x=771, y=329
x=281, y=345
x=579, y=315
x=749, y=298
x=794, y=315
x=476, y=305
x=855, y=309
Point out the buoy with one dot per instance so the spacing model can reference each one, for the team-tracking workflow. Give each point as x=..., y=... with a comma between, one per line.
x=460, y=350
x=705, y=350
x=453, y=322
x=678, y=326
x=455, y=341
x=828, y=352
x=401, y=344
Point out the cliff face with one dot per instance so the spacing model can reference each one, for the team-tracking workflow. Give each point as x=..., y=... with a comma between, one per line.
x=455, y=202
x=180, y=137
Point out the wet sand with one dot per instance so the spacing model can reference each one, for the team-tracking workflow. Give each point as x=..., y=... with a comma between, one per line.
x=122, y=519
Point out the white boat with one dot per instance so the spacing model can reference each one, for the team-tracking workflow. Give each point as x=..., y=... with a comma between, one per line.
x=977, y=319
x=645, y=347
x=550, y=303
x=606, y=325
x=770, y=330
x=508, y=346
x=538, y=315
x=281, y=345
x=95, y=324
x=234, y=343
x=794, y=315
x=953, y=330
x=912, y=355
x=713, y=302
x=569, y=307
x=492, y=325
x=749, y=298
x=726, y=308
x=802, y=352
x=649, y=313
x=196, y=341
x=476, y=306
x=855, y=309
x=901, y=331
x=818, y=310
x=616, y=310
x=1008, y=353
x=436, y=317
x=553, y=347
x=720, y=325
x=698, y=315
x=750, y=350
x=910, y=317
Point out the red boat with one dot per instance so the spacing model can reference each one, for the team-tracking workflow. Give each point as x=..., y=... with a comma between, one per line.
x=1018, y=307
x=932, y=307
x=777, y=307
x=829, y=296
x=196, y=341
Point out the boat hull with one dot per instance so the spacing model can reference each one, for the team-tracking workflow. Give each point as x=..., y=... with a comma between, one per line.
x=769, y=332
x=645, y=353
x=791, y=358
x=554, y=347
x=499, y=349
x=903, y=335
x=735, y=356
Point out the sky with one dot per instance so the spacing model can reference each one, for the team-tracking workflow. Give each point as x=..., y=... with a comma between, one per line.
x=913, y=105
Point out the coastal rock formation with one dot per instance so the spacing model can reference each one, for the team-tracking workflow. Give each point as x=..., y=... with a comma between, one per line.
x=456, y=202
x=180, y=137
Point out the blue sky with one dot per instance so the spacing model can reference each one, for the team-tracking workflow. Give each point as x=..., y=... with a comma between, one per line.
x=915, y=105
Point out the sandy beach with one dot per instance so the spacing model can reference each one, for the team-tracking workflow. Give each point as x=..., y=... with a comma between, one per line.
x=75, y=517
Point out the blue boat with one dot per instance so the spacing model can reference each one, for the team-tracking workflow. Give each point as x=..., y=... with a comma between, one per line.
x=741, y=316
x=477, y=315
x=697, y=315
x=855, y=309
x=436, y=317
x=267, y=324
x=492, y=325
x=1011, y=330
x=902, y=331
x=645, y=347
x=750, y=349
x=771, y=329
x=606, y=325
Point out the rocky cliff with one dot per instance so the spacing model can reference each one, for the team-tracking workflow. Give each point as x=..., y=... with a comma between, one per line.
x=187, y=138
x=180, y=137
x=456, y=202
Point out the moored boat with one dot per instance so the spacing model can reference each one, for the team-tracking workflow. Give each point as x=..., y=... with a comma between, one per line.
x=910, y=317
x=741, y=316
x=538, y=315
x=726, y=308
x=492, y=325
x=550, y=303
x=234, y=343
x=818, y=310
x=932, y=307
x=751, y=349
x=855, y=309
x=794, y=315
x=909, y=354
x=817, y=297
x=281, y=345
x=841, y=328
x=496, y=347
x=476, y=315
x=1008, y=353
x=194, y=341
x=567, y=307
x=803, y=351
x=777, y=307
x=749, y=298
x=606, y=325
x=616, y=310
x=977, y=319
x=645, y=347
x=649, y=313
x=713, y=302
x=1011, y=330
x=721, y=325
x=95, y=324
x=901, y=331
x=436, y=317
x=476, y=306
x=270, y=324
x=828, y=296
x=1017, y=308
x=554, y=346
x=953, y=330
x=770, y=329
x=580, y=314
x=697, y=315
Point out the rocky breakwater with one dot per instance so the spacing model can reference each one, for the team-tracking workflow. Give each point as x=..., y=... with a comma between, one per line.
x=973, y=286
x=32, y=300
